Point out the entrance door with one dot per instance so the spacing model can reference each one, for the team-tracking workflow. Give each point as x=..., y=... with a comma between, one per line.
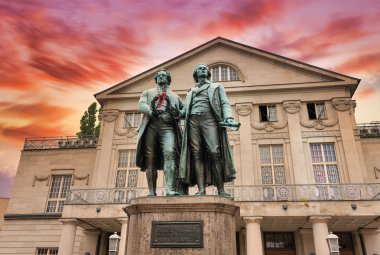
x=279, y=243
x=346, y=243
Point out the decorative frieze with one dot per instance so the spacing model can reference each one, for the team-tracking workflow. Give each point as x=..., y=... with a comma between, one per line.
x=41, y=179
x=268, y=126
x=120, y=128
x=108, y=115
x=342, y=104
x=318, y=124
x=292, y=106
x=80, y=178
x=244, y=109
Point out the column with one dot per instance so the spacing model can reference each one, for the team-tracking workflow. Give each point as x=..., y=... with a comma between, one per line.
x=66, y=244
x=351, y=152
x=253, y=233
x=123, y=235
x=89, y=241
x=298, y=156
x=103, y=156
x=320, y=232
x=371, y=238
x=246, y=152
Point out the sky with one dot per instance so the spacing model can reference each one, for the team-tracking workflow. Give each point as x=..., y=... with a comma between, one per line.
x=55, y=55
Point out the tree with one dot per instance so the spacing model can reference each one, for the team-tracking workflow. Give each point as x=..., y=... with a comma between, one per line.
x=87, y=122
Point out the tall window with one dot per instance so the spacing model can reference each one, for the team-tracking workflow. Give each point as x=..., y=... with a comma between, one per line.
x=224, y=73
x=272, y=168
x=316, y=111
x=324, y=162
x=268, y=113
x=325, y=169
x=60, y=185
x=127, y=172
x=47, y=251
x=132, y=119
x=127, y=175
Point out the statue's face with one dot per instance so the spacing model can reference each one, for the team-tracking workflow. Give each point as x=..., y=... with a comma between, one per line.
x=202, y=71
x=162, y=78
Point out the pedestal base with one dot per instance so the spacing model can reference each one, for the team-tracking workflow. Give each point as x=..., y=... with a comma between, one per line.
x=215, y=214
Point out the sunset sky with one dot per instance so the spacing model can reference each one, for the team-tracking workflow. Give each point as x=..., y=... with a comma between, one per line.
x=56, y=54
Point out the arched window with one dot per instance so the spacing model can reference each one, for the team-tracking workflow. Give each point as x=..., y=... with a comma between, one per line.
x=224, y=73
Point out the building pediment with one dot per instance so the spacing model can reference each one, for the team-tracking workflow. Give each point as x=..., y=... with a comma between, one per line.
x=258, y=70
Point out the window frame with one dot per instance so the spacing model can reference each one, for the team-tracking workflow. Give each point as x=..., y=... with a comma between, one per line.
x=127, y=124
x=267, y=111
x=221, y=75
x=127, y=169
x=49, y=250
x=272, y=164
x=59, y=199
x=315, y=110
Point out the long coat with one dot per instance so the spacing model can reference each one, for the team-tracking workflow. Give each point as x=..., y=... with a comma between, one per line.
x=221, y=110
x=145, y=107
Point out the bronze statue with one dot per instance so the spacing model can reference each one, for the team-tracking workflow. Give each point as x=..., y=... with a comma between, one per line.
x=206, y=157
x=159, y=135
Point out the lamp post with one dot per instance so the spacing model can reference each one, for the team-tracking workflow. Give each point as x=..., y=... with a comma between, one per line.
x=332, y=242
x=114, y=241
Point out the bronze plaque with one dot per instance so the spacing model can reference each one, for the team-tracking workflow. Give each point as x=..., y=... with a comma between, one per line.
x=177, y=234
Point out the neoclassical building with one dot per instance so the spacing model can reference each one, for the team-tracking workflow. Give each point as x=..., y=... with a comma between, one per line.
x=304, y=166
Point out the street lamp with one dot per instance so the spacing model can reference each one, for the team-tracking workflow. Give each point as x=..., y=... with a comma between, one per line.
x=114, y=241
x=332, y=242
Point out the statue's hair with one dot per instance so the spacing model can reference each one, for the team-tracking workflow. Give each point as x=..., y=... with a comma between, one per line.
x=167, y=73
x=195, y=72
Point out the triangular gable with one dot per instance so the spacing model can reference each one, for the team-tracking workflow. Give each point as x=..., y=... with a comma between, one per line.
x=296, y=72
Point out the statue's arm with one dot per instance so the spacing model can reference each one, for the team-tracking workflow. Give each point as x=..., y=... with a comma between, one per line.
x=144, y=107
x=226, y=107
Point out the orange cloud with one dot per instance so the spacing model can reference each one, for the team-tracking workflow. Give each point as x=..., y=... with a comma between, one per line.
x=364, y=93
x=364, y=63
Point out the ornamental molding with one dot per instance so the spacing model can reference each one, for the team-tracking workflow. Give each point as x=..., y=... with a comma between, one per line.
x=377, y=172
x=242, y=75
x=342, y=104
x=120, y=128
x=318, y=124
x=108, y=115
x=41, y=179
x=319, y=219
x=292, y=106
x=244, y=109
x=268, y=126
x=75, y=177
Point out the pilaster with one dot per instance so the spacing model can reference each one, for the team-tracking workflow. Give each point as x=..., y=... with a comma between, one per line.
x=66, y=244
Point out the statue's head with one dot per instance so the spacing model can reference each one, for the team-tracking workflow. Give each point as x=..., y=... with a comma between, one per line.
x=201, y=70
x=162, y=77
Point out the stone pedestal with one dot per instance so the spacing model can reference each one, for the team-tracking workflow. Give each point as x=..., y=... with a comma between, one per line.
x=216, y=214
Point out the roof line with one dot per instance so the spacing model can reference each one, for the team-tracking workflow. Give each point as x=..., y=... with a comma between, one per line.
x=237, y=43
x=154, y=67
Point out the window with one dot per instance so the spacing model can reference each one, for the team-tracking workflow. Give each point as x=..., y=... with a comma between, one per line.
x=325, y=169
x=47, y=251
x=279, y=240
x=224, y=73
x=126, y=176
x=272, y=168
x=127, y=173
x=268, y=113
x=132, y=119
x=60, y=185
x=316, y=111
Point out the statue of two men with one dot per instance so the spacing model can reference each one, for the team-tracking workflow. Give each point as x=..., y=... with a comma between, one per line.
x=204, y=157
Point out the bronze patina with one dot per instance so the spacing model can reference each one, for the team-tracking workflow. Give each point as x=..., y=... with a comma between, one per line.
x=206, y=156
x=159, y=136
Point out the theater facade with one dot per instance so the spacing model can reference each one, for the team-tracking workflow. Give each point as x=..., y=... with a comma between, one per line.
x=304, y=166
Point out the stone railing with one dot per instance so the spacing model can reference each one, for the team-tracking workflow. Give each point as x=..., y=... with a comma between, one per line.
x=292, y=193
x=369, y=129
x=68, y=142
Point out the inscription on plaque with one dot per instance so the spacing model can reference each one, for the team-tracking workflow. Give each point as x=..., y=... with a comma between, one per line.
x=181, y=234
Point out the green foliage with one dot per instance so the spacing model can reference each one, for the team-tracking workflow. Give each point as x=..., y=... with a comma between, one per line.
x=87, y=122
